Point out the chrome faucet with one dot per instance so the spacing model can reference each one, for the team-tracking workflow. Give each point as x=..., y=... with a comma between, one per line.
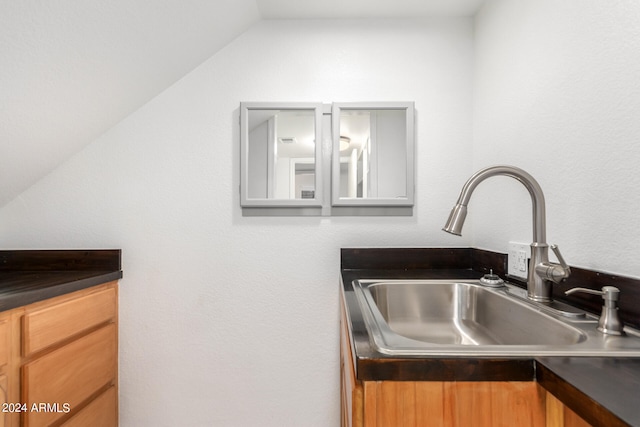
x=542, y=273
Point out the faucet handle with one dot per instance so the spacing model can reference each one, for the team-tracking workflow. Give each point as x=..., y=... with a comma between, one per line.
x=561, y=260
x=554, y=272
x=566, y=270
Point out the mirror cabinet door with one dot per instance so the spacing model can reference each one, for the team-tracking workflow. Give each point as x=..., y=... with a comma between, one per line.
x=280, y=153
x=373, y=154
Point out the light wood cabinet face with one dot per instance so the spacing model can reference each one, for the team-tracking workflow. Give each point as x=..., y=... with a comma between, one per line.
x=102, y=412
x=3, y=401
x=559, y=415
x=4, y=341
x=450, y=404
x=46, y=326
x=59, y=360
x=69, y=375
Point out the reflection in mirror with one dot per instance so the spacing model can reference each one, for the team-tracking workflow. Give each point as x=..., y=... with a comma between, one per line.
x=373, y=144
x=279, y=154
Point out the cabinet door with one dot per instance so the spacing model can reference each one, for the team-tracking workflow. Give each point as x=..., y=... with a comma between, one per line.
x=102, y=412
x=70, y=375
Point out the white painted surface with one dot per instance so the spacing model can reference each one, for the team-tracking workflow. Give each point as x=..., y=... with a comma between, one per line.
x=340, y=9
x=233, y=321
x=557, y=93
x=71, y=70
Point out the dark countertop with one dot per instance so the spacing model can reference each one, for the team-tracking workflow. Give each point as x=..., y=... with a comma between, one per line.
x=35, y=275
x=604, y=391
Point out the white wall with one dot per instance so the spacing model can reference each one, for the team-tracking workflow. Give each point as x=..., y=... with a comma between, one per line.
x=233, y=321
x=557, y=93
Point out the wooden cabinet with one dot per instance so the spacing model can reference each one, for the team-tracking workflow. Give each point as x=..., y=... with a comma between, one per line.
x=50, y=323
x=559, y=415
x=5, y=357
x=439, y=404
x=445, y=404
x=69, y=376
x=101, y=412
x=62, y=363
x=351, y=390
x=3, y=400
x=4, y=341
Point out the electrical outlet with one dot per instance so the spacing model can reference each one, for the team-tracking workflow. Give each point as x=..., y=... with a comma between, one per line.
x=518, y=259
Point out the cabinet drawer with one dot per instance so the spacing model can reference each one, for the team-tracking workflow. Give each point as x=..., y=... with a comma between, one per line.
x=43, y=327
x=70, y=375
x=4, y=342
x=102, y=412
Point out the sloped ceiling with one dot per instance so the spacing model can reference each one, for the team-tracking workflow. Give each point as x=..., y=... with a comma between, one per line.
x=70, y=70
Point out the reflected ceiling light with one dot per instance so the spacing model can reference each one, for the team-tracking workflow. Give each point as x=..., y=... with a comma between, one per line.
x=287, y=140
x=344, y=142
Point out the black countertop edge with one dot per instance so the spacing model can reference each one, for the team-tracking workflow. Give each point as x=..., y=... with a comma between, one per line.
x=445, y=369
x=60, y=260
x=28, y=276
x=49, y=285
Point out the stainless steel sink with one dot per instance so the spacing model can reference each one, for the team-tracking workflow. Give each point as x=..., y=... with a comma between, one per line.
x=450, y=317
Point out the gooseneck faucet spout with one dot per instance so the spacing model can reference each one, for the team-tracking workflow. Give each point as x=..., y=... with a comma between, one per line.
x=541, y=272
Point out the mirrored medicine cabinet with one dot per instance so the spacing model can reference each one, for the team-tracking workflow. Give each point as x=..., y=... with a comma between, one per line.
x=327, y=159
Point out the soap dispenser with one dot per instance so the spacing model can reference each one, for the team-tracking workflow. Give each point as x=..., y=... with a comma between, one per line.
x=609, y=322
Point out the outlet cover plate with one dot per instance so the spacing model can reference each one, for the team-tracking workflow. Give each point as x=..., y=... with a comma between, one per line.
x=518, y=259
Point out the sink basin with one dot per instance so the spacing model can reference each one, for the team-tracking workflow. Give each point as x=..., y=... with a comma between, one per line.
x=450, y=317
x=466, y=314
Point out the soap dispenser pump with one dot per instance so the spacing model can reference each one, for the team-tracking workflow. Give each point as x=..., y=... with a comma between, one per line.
x=609, y=322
